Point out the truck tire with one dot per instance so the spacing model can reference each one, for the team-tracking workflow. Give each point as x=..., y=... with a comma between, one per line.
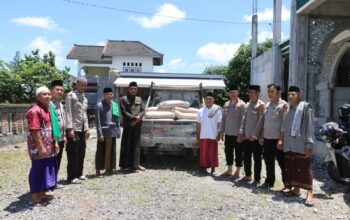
x=333, y=172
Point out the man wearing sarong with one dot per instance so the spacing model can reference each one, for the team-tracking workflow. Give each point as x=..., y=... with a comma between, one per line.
x=57, y=92
x=132, y=110
x=108, y=129
x=41, y=148
x=207, y=130
x=77, y=131
x=298, y=130
x=270, y=126
x=249, y=129
x=232, y=118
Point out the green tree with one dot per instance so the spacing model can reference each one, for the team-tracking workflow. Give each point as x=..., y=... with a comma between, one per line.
x=19, y=80
x=220, y=95
x=237, y=72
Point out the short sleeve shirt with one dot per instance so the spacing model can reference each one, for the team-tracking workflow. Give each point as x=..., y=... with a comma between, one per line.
x=209, y=125
x=39, y=119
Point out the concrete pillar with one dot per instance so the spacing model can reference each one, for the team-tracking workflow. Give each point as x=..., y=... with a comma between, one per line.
x=276, y=52
x=298, y=55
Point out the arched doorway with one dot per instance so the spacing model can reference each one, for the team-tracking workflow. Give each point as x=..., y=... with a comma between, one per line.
x=340, y=81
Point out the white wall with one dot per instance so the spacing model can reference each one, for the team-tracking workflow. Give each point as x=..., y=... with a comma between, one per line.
x=147, y=62
x=262, y=73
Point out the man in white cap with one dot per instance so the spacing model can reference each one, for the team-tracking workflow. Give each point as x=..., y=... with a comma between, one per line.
x=41, y=148
x=77, y=131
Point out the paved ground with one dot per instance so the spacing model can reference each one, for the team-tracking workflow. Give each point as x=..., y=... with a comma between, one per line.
x=171, y=188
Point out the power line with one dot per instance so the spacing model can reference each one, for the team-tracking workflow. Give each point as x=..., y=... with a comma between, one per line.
x=152, y=14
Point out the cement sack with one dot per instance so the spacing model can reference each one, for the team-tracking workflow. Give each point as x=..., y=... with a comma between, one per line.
x=187, y=110
x=182, y=115
x=159, y=115
x=156, y=109
x=169, y=104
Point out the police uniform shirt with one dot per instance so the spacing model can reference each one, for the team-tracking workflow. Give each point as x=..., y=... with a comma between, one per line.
x=252, y=115
x=232, y=117
x=273, y=119
x=76, y=111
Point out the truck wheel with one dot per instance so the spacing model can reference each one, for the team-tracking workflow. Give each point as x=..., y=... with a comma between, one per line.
x=333, y=172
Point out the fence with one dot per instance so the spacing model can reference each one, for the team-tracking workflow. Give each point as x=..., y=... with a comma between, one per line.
x=13, y=124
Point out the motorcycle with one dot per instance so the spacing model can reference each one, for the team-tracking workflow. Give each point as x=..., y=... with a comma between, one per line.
x=337, y=138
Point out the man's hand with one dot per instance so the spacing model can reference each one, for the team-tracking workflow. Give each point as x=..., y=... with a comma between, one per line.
x=71, y=134
x=239, y=138
x=218, y=137
x=57, y=148
x=222, y=136
x=101, y=139
x=138, y=119
x=87, y=134
x=261, y=141
x=252, y=138
x=280, y=145
x=42, y=152
x=308, y=152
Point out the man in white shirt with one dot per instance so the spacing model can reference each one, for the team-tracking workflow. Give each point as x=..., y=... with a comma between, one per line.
x=208, y=124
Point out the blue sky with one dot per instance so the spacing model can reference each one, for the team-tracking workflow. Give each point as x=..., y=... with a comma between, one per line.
x=188, y=46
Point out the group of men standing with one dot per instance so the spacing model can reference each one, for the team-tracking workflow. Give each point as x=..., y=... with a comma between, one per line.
x=52, y=126
x=273, y=131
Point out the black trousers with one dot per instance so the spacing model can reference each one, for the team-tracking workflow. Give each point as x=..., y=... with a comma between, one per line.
x=75, y=155
x=130, y=148
x=255, y=149
x=270, y=154
x=59, y=156
x=230, y=145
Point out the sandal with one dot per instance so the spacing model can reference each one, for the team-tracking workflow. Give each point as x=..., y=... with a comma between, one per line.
x=247, y=178
x=227, y=174
x=291, y=194
x=309, y=203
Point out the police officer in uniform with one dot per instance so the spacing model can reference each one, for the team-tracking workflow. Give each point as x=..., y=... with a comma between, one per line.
x=232, y=118
x=255, y=109
x=271, y=125
x=77, y=131
x=132, y=110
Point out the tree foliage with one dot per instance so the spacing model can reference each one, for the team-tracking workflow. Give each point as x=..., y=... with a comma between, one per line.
x=20, y=78
x=237, y=72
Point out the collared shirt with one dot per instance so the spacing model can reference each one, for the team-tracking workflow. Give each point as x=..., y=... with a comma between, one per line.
x=251, y=117
x=76, y=111
x=61, y=117
x=232, y=117
x=39, y=119
x=107, y=125
x=273, y=119
x=209, y=122
x=306, y=139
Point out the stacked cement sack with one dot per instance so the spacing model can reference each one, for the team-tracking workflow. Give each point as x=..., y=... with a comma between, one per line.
x=172, y=109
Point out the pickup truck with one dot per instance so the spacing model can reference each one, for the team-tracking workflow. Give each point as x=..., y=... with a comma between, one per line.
x=169, y=136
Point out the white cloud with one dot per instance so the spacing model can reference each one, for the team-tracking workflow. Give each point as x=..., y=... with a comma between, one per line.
x=176, y=63
x=219, y=53
x=157, y=20
x=45, y=46
x=200, y=65
x=46, y=23
x=267, y=15
x=101, y=43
